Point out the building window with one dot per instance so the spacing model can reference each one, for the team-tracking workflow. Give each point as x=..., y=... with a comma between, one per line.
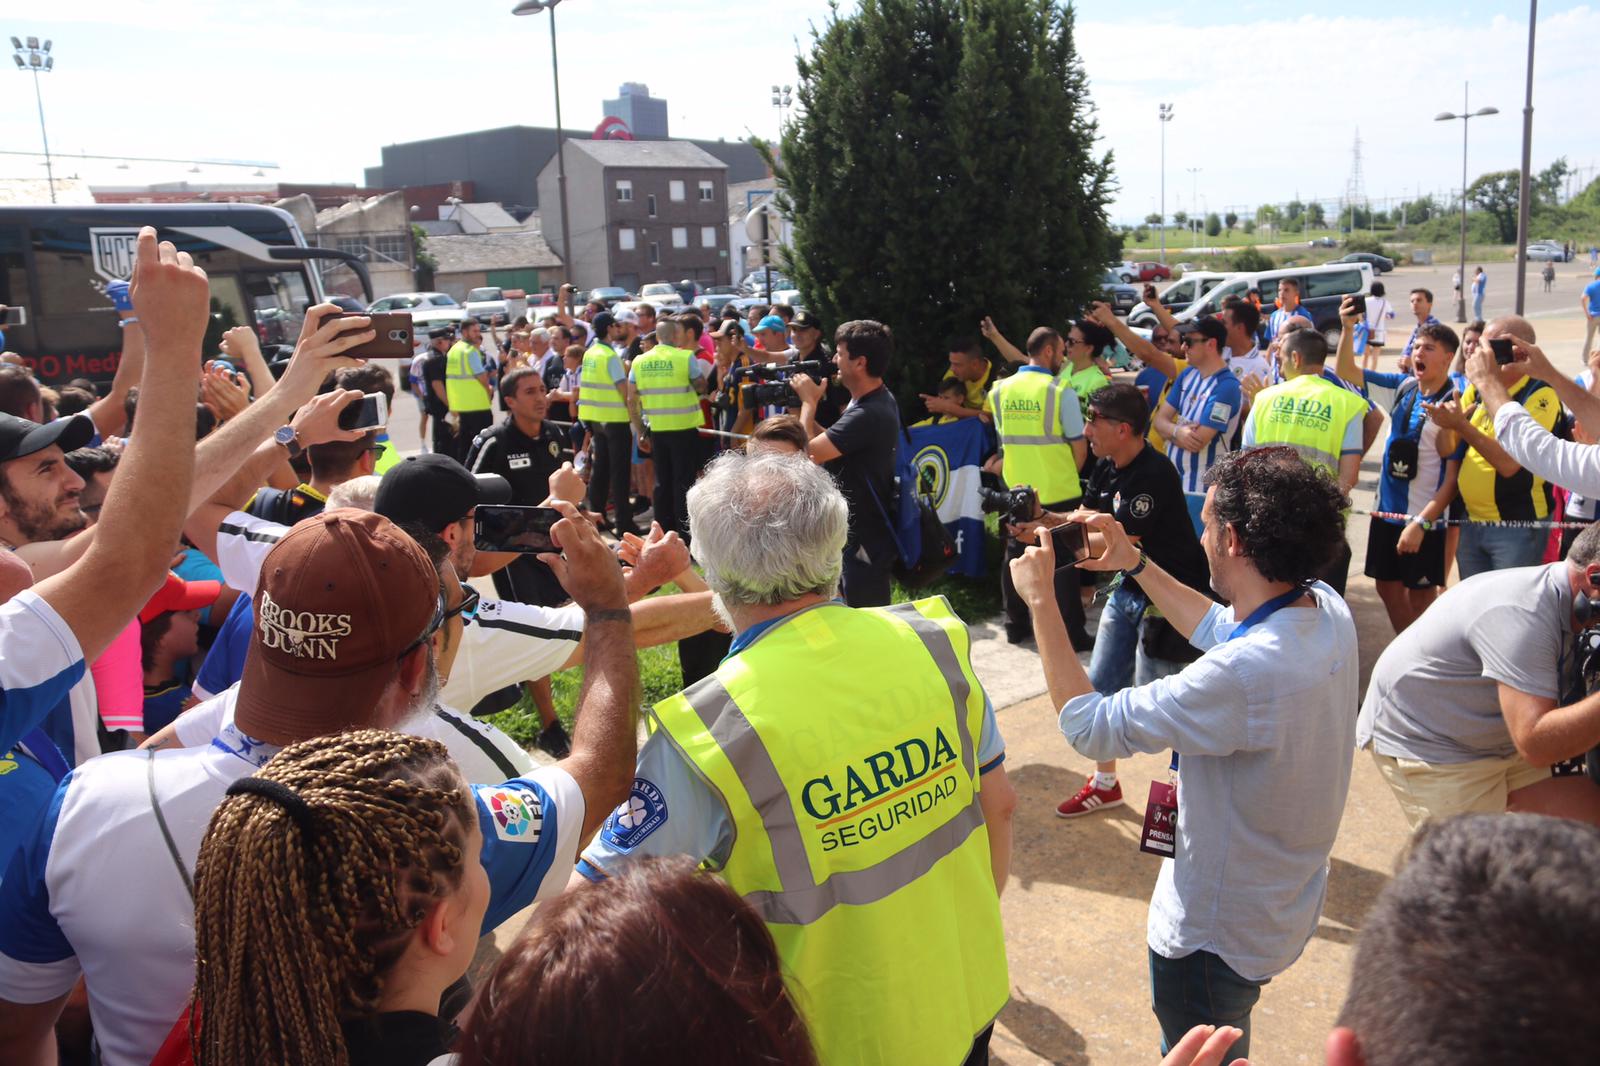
x=650, y=205
x=675, y=190
x=625, y=239
x=393, y=247
x=354, y=246
x=624, y=190
x=655, y=254
x=708, y=236
x=680, y=236
x=707, y=190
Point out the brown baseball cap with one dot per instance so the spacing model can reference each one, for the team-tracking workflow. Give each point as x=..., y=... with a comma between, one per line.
x=343, y=597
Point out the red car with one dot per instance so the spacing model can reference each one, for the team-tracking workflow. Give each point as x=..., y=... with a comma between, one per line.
x=1153, y=272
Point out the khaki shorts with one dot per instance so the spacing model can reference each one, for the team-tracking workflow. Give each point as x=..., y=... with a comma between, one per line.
x=1438, y=790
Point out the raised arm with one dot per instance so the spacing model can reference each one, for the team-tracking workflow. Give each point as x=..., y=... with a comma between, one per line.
x=1347, y=367
x=1138, y=346
x=1006, y=348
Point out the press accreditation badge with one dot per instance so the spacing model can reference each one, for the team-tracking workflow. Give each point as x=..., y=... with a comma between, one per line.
x=1160, y=835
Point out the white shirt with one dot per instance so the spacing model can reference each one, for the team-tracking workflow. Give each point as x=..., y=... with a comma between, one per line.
x=1573, y=466
x=102, y=838
x=1266, y=729
x=1379, y=312
x=1251, y=362
x=40, y=662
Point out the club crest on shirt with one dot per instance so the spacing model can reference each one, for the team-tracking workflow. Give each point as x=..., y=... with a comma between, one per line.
x=1142, y=505
x=642, y=813
x=516, y=813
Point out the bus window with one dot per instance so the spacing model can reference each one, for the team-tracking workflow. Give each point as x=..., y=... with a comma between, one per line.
x=278, y=303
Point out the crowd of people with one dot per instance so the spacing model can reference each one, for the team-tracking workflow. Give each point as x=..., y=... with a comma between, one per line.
x=247, y=648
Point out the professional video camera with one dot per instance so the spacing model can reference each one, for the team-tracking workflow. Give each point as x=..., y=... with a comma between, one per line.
x=1018, y=505
x=768, y=383
x=1588, y=647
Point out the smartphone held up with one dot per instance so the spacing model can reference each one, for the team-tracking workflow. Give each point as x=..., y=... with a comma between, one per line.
x=394, y=334
x=513, y=528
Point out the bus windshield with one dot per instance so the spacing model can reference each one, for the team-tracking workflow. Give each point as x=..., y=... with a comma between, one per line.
x=55, y=262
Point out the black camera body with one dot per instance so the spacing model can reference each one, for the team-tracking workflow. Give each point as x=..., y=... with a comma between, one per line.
x=768, y=383
x=1588, y=652
x=1018, y=505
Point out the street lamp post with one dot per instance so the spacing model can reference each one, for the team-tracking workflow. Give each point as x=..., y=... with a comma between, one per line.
x=1194, y=205
x=1466, y=118
x=1523, y=202
x=1166, y=117
x=782, y=99
x=533, y=7
x=32, y=57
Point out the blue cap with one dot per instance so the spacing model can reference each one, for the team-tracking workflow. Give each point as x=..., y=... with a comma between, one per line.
x=772, y=322
x=1597, y=272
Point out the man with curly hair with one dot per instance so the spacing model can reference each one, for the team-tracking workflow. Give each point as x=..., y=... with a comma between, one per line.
x=1262, y=722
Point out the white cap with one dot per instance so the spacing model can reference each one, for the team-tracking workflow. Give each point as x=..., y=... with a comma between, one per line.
x=627, y=317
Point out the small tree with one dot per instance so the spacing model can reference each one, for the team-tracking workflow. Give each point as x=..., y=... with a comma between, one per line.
x=1140, y=235
x=1230, y=220
x=1152, y=219
x=1213, y=224
x=1316, y=217
x=1252, y=259
x=1249, y=226
x=1180, y=218
x=425, y=263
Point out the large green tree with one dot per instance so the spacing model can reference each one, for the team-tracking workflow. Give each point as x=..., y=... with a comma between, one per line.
x=943, y=165
x=1498, y=194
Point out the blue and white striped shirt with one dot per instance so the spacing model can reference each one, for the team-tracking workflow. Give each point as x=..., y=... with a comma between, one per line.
x=1212, y=402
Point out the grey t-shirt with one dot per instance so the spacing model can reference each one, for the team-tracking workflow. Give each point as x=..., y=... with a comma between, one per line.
x=1434, y=692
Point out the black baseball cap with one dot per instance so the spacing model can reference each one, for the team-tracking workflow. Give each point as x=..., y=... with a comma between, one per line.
x=602, y=323
x=804, y=320
x=1207, y=326
x=441, y=333
x=20, y=437
x=434, y=490
x=730, y=327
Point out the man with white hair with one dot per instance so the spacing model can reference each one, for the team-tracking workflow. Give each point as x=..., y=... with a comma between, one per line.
x=842, y=770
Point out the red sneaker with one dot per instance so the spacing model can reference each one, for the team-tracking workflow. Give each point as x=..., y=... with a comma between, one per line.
x=1090, y=800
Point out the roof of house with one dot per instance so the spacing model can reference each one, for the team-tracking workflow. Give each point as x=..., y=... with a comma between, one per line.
x=466, y=252
x=647, y=154
x=490, y=215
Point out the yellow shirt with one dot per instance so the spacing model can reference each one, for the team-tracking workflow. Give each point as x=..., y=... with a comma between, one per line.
x=1156, y=440
x=1522, y=496
x=976, y=390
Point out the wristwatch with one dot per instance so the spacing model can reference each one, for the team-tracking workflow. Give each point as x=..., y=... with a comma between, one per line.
x=1137, y=570
x=289, y=437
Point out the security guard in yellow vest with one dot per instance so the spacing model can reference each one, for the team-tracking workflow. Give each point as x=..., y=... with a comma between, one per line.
x=1317, y=418
x=607, y=408
x=466, y=387
x=843, y=771
x=1039, y=420
x=668, y=380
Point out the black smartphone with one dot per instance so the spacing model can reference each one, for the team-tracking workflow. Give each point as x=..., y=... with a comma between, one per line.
x=1360, y=302
x=14, y=316
x=1501, y=347
x=372, y=411
x=1149, y=292
x=507, y=527
x=1071, y=544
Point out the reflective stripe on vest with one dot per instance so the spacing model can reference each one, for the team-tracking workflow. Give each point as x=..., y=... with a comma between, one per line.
x=865, y=849
x=1309, y=414
x=599, y=398
x=1034, y=451
x=463, y=391
x=666, y=393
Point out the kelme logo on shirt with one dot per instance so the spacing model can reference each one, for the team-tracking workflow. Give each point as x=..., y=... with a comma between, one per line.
x=880, y=792
x=302, y=634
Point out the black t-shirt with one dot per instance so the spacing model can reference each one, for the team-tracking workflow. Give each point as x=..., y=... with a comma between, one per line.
x=527, y=463
x=1146, y=496
x=396, y=1038
x=866, y=435
x=433, y=370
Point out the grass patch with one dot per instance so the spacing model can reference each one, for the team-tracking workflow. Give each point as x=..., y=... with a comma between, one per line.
x=973, y=599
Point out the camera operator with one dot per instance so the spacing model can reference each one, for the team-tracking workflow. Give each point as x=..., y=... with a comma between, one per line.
x=1040, y=424
x=1135, y=644
x=1262, y=721
x=1464, y=707
x=859, y=450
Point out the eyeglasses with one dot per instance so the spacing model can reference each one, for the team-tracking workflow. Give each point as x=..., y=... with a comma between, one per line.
x=468, y=607
x=1096, y=416
x=439, y=615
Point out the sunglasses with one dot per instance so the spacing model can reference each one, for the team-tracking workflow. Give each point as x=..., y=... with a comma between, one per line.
x=439, y=615
x=468, y=607
x=1096, y=416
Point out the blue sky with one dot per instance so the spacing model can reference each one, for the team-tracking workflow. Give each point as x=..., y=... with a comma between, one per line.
x=1268, y=100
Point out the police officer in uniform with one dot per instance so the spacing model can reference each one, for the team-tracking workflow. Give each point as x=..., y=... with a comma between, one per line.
x=873, y=854
x=435, y=398
x=607, y=406
x=1039, y=420
x=466, y=386
x=526, y=450
x=668, y=380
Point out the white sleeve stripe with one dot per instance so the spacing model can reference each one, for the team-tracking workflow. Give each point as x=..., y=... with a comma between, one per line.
x=39, y=982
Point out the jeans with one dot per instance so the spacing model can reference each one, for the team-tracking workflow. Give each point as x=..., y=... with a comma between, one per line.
x=612, y=472
x=1477, y=305
x=679, y=456
x=1485, y=548
x=1201, y=989
x=1119, y=658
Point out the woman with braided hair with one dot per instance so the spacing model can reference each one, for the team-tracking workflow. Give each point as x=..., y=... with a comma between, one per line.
x=338, y=894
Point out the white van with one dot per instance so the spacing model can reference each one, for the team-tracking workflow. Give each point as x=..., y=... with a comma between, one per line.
x=1179, y=295
x=1322, y=288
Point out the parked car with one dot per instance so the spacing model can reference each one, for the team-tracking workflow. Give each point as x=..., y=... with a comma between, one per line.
x=716, y=297
x=1381, y=264
x=663, y=294
x=1121, y=296
x=1152, y=272
x=488, y=304
x=1321, y=290
x=1179, y=295
x=1547, y=252
x=787, y=296
x=1322, y=242
x=609, y=295
x=1126, y=271
x=755, y=284
x=429, y=310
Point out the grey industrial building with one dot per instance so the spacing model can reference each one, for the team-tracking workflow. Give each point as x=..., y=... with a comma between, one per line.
x=645, y=115
x=504, y=164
